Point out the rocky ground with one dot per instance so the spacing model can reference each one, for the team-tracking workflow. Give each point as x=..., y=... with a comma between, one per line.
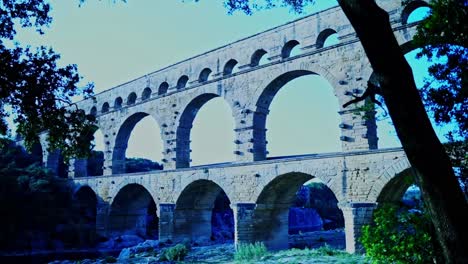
x=150, y=252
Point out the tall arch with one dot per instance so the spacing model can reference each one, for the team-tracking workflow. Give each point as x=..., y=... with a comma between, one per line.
x=262, y=110
x=121, y=141
x=95, y=163
x=92, y=165
x=133, y=211
x=194, y=210
x=185, y=126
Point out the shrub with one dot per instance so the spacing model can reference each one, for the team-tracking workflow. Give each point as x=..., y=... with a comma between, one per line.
x=328, y=251
x=398, y=235
x=245, y=252
x=110, y=259
x=175, y=253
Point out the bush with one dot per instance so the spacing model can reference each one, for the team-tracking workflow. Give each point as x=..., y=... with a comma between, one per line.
x=328, y=251
x=398, y=235
x=245, y=252
x=110, y=259
x=175, y=253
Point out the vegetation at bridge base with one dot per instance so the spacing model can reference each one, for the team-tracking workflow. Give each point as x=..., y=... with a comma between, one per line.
x=36, y=207
x=249, y=252
x=175, y=253
x=399, y=235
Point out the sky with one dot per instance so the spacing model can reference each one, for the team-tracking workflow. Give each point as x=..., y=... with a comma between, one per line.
x=113, y=43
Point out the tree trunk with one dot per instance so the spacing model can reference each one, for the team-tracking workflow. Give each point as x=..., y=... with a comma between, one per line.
x=440, y=190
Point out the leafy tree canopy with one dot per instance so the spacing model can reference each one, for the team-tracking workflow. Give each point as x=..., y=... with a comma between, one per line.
x=446, y=92
x=34, y=89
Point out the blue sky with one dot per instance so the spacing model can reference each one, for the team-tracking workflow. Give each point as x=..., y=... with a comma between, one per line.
x=114, y=43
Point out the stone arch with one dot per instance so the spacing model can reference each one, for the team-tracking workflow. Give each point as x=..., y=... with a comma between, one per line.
x=288, y=47
x=118, y=103
x=323, y=36
x=393, y=190
x=392, y=182
x=93, y=111
x=163, y=88
x=256, y=57
x=204, y=75
x=105, y=107
x=229, y=67
x=133, y=211
x=85, y=200
x=146, y=94
x=184, y=128
x=262, y=105
x=410, y=7
x=194, y=210
x=121, y=141
x=182, y=82
x=131, y=99
x=270, y=223
x=271, y=214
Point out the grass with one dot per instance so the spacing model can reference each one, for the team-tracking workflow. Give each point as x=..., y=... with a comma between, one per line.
x=250, y=252
x=257, y=253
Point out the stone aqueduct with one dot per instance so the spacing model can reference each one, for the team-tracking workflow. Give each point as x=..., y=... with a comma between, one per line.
x=260, y=190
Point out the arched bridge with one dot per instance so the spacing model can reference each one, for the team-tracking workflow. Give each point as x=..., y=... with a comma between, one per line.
x=260, y=190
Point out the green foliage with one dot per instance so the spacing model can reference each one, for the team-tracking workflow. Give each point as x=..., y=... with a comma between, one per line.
x=110, y=259
x=35, y=91
x=443, y=35
x=398, y=236
x=175, y=253
x=248, y=6
x=141, y=165
x=323, y=255
x=458, y=153
x=247, y=252
x=328, y=251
